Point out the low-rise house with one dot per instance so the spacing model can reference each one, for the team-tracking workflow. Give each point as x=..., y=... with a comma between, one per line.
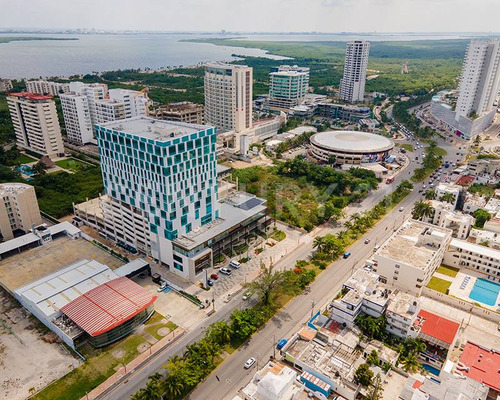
x=474, y=202
x=444, y=217
x=401, y=315
x=445, y=188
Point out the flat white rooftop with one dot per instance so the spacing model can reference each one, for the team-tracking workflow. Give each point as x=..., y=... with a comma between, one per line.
x=475, y=248
x=154, y=129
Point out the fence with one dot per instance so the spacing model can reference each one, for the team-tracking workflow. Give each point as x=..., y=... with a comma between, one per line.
x=462, y=305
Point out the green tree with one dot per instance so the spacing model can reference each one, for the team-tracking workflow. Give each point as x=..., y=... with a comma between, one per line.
x=376, y=390
x=421, y=210
x=219, y=332
x=372, y=358
x=363, y=375
x=410, y=363
x=481, y=217
x=268, y=284
x=448, y=198
x=430, y=195
x=244, y=323
x=39, y=168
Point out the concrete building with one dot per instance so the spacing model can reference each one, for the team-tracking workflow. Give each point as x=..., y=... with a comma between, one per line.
x=462, y=254
x=228, y=96
x=287, y=86
x=183, y=111
x=401, y=315
x=276, y=381
x=93, y=92
x=410, y=256
x=347, y=113
x=108, y=110
x=445, y=217
x=485, y=238
x=136, y=102
x=5, y=85
x=18, y=209
x=444, y=188
x=161, y=177
x=350, y=147
x=480, y=79
x=352, y=85
x=35, y=123
x=448, y=387
x=493, y=225
x=363, y=293
x=47, y=87
x=76, y=113
x=474, y=202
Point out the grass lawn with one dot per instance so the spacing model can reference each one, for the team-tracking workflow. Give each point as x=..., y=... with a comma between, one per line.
x=440, y=151
x=24, y=159
x=439, y=285
x=408, y=147
x=72, y=164
x=278, y=235
x=450, y=271
x=154, y=323
x=99, y=366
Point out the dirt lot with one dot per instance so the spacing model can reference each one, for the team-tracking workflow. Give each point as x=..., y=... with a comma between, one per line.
x=27, y=361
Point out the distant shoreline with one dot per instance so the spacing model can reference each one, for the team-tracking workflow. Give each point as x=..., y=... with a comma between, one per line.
x=8, y=39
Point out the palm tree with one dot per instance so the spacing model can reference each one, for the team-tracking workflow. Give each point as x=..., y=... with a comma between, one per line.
x=448, y=198
x=268, y=284
x=319, y=243
x=410, y=363
x=219, y=332
x=421, y=210
x=430, y=195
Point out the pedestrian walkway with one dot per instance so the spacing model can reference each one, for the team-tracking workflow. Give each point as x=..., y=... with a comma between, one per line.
x=129, y=369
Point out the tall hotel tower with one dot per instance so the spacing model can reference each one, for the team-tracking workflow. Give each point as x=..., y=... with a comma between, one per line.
x=352, y=85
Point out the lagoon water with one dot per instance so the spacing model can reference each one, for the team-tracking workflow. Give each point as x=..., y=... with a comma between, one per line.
x=31, y=59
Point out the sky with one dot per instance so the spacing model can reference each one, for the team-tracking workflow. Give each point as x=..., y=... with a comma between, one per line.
x=255, y=15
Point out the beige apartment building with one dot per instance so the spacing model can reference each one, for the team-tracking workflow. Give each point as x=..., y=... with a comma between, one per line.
x=184, y=111
x=18, y=209
x=35, y=123
x=228, y=96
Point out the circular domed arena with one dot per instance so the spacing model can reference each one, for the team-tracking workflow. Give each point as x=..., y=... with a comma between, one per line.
x=350, y=147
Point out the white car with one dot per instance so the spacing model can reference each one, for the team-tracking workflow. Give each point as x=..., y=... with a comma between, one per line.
x=225, y=271
x=250, y=362
x=234, y=264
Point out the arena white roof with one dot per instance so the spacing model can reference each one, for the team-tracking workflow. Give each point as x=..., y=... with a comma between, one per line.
x=352, y=141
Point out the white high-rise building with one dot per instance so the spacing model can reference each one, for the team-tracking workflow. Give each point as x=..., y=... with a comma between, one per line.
x=352, y=85
x=77, y=120
x=47, y=87
x=93, y=92
x=35, y=123
x=480, y=79
x=287, y=86
x=228, y=96
x=136, y=103
x=108, y=110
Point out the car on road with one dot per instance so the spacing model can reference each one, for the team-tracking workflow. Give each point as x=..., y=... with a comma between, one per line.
x=347, y=254
x=247, y=295
x=424, y=186
x=367, y=241
x=210, y=282
x=249, y=363
x=281, y=344
x=225, y=271
x=234, y=264
x=214, y=276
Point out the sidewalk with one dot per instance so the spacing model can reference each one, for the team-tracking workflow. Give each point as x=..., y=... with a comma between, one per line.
x=134, y=364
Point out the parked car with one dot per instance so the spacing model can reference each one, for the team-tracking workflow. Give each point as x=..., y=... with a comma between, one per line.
x=247, y=295
x=214, y=276
x=250, y=362
x=401, y=209
x=225, y=271
x=367, y=241
x=163, y=286
x=281, y=344
x=210, y=282
x=347, y=254
x=234, y=264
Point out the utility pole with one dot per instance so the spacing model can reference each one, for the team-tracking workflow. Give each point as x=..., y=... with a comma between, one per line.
x=213, y=301
x=313, y=303
x=274, y=347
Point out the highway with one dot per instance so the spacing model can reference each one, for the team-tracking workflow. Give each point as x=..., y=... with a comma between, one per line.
x=292, y=316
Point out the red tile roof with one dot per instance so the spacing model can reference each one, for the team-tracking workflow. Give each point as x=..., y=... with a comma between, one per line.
x=465, y=180
x=484, y=365
x=438, y=327
x=108, y=305
x=31, y=96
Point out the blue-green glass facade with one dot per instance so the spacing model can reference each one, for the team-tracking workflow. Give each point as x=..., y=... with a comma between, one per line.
x=172, y=178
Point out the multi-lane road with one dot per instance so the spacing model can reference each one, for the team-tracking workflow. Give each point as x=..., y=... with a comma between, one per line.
x=231, y=374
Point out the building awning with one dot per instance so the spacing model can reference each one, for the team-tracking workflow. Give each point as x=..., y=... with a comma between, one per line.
x=108, y=305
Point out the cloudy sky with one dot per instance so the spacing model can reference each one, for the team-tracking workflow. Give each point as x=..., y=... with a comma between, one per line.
x=256, y=15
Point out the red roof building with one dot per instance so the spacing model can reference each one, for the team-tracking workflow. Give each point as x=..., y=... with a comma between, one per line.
x=481, y=364
x=465, y=180
x=109, y=306
x=31, y=96
x=437, y=330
